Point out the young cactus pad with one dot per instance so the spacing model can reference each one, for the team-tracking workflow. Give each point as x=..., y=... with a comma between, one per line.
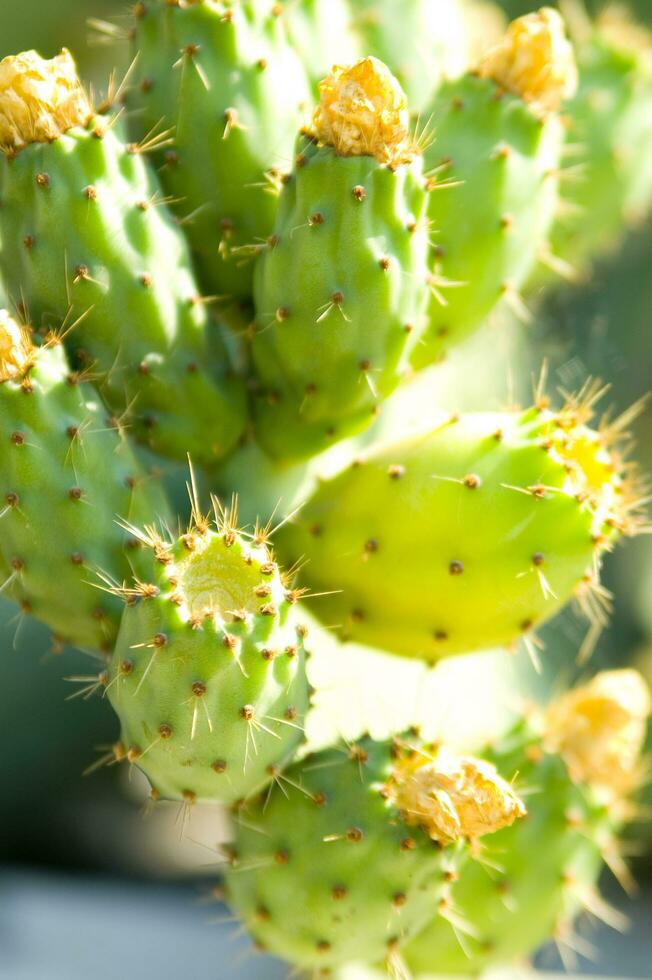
x=347, y=857
x=493, y=162
x=468, y=536
x=87, y=239
x=208, y=675
x=334, y=324
x=226, y=81
x=570, y=761
x=67, y=473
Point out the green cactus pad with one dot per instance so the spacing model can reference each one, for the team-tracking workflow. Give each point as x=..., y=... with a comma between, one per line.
x=208, y=675
x=86, y=237
x=225, y=78
x=67, y=473
x=508, y=903
x=490, y=224
x=335, y=324
x=465, y=537
x=324, y=869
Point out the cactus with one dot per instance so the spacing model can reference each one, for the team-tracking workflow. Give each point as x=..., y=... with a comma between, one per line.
x=335, y=327
x=86, y=240
x=493, y=161
x=339, y=250
x=208, y=674
x=470, y=535
x=338, y=863
x=225, y=79
x=580, y=760
x=67, y=473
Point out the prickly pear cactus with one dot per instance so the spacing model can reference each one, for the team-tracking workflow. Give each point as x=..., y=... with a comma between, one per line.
x=348, y=854
x=67, y=474
x=469, y=536
x=493, y=162
x=223, y=79
x=87, y=242
x=579, y=760
x=208, y=674
x=345, y=236
x=334, y=327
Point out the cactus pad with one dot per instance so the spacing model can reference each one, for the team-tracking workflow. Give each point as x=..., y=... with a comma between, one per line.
x=208, y=675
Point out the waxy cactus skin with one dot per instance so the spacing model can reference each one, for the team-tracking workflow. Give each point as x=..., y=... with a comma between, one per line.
x=577, y=795
x=507, y=908
x=423, y=41
x=491, y=224
x=334, y=325
x=86, y=240
x=463, y=538
x=67, y=475
x=208, y=674
x=231, y=268
x=498, y=142
x=326, y=867
x=224, y=78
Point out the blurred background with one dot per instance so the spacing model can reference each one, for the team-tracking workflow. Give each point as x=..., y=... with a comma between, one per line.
x=92, y=885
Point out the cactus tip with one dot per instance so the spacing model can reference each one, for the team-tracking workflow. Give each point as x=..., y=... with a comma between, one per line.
x=454, y=798
x=15, y=348
x=363, y=112
x=599, y=729
x=39, y=99
x=535, y=60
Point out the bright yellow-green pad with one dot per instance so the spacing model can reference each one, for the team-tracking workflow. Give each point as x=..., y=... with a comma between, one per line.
x=208, y=675
x=463, y=538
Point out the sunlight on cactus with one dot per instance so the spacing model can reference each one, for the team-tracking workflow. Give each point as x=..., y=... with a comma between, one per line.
x=231, y=272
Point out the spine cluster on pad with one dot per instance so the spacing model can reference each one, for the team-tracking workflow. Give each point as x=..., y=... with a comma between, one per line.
x=208, y=674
